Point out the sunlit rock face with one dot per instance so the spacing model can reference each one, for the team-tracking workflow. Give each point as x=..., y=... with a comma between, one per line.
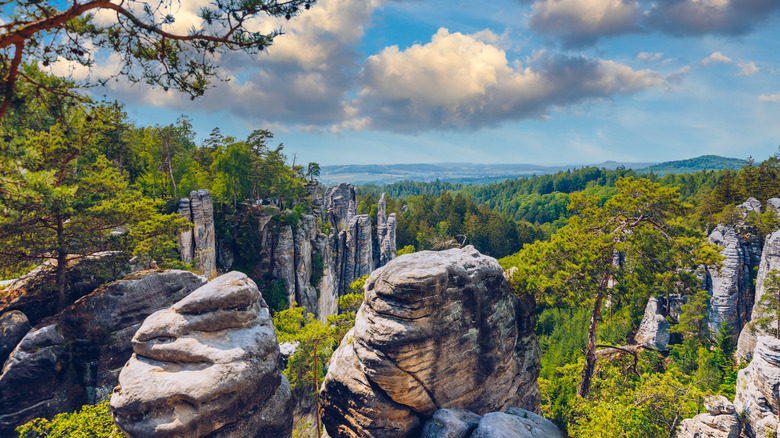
x=436, y=330
x=207, y=366
x=720, y=421
x=756, y=399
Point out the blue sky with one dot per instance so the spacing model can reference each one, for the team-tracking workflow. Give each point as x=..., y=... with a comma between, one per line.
x=505, y=81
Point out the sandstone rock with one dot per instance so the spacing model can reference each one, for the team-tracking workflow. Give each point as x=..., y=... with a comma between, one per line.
x=304, y=239
x=731, y=297
x=770, y=260
x=341, y=205
x=654, y=330
x=451, y=423
x=756, y=399
x=207, y=366
x=385, y=230
x=315, y=192
x=284, y=261
x=185, y=237
x=515, y=423
x=203, y=234
x=13, y=326
x=75, y=357
x=35, y=294
x=328, y=300
x=710, y=426
x=774, y=205
x=436, y=330
x=751, y=205
x=355, y=252
x=717, y=405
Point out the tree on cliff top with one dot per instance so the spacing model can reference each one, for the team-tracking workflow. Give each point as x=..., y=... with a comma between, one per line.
x=143, y=36
x=634, y=243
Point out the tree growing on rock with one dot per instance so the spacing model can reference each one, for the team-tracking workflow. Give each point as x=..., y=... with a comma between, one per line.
x=633, y=243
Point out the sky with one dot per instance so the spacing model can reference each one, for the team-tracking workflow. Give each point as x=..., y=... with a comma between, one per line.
x=505, y=81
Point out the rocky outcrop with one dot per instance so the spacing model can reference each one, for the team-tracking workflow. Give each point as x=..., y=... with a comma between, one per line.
x=770, y=260
x=186, y=247
x=514, y=423
x=757, y=396
x=341, y=205
x=752, y=205
x=305, y=241
x=315, y=193
x=720, y=421
x=730, y=291
x=204, y=247
x=35, y=294
x=436, y=330
x=207, y=366
x=74, y=358
x=774, y=205
x=654, y=330
x=284, y=260
x=354, y=252
x=13, y=326
x=385, y=230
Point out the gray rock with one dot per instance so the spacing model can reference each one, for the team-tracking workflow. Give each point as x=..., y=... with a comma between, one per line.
x=710, y=426
x=186, y=245
x=203, y=234
x=654, y=330
x=207, y=366
x=284, y=260
x=341, y=205
x=74, y=358
x=451, y=423
x=385, y=231
x=436, y=330
x=328, y=287
x=515, y=423
x=355, y=252
x=774, y=205
x=751, y=205
x=756, y=398
x=13, y=326
x=717, y=405
x=731, y=296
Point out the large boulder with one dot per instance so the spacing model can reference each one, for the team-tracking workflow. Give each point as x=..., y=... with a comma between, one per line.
x=436, y=330
x=13, y=326
x=514, y=423
x=720, y=421
x=74, y=358
x=757, y=395
x=207, y=366
x=654, y=330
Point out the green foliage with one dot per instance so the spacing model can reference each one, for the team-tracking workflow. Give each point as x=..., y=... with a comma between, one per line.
x=356, y=287
x=408, y=249
x=91, y=421
x=317, y=269
x=277, y=298
x=769, y=304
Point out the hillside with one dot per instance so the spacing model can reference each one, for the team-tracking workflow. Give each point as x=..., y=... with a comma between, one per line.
x=691, y=165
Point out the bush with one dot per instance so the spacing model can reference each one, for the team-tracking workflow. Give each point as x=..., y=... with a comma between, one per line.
x=92, y=421
x=277, y=298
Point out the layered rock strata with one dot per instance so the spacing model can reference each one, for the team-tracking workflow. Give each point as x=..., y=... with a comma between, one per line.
x=436, y=330
x=74, y=358
x=199, y=243
x=654, y=330
x=385, y=230
x=354, y=251
x=207, y=366
x=770, y=260
x=720, y=421
x=757, y=399
x=341, y=205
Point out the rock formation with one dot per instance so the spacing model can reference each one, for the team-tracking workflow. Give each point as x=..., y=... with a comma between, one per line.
x=13, y=326
x=74, y=358
x=720, y=421
x=354, y=251
x=199, y=244
x=436, y=330
x=514, y=423
x=385, y=230
x=341, y=205
x=654, y=330
x=731, y=294
x=757, y=399
x=770, y=260
x=207, y=366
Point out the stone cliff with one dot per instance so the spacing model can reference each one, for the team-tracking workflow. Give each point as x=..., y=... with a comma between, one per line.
x=436, y=330
x=199, y=244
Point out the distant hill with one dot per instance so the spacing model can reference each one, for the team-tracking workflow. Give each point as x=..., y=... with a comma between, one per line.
x=691, y=165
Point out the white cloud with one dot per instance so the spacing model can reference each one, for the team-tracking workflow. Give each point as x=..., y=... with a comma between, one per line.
x=747, y=68
x=457, y=82
x=649, y=57
x=716, y=57
x=582, y=22
x=769, y=97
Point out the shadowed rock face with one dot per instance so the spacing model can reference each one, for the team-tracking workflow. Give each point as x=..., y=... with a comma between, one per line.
x=207, y=366
x=74, y=357
x=436, y=330
x=13, y=326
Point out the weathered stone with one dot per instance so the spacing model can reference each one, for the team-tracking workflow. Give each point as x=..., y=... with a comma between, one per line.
x=654, y=330
x=304, y=238
x=186, y=247
x=35, y=293
x=203, y=234
x=515, y=423
x=770, y=260
x=773, y=204
x=13, y=326
x=284, y=261
x=717, y=405
x=315, y=193
x=731, y=296
x=436, y=330
x=710, y=426
x=756, y=399
x=341, y=205
x=451, y=423
x=207, y=366
x=385, y=231
x=328, y=300
x=74, y=358
x=751, y=205
x=355, y=252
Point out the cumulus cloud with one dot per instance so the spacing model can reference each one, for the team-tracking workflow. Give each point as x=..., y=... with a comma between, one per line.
x=769, y=97
x=747, y=68
x=649, y=57
x=583, y=22
x=716, y=57
x=459, y=82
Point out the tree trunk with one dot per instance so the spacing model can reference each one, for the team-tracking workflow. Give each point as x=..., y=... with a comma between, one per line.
x=62, y=266
x=170, y=169
x=590, y=355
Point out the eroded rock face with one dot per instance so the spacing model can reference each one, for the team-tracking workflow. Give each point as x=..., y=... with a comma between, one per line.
x=185, y=237
x=354, y=257
x=13, y=326
x=341, y=205
x=731, y=296
x=385, y=230
x=203, y=234
x=654, y=330
x=207, y=366
x=436, y=330
x=757, y=389
x=74, y=358
x=720, y=421
x=515, y=423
